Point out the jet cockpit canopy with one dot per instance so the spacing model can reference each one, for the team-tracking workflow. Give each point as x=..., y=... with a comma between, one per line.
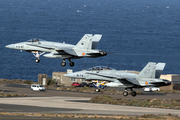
x=34, y=40
x=100, y=68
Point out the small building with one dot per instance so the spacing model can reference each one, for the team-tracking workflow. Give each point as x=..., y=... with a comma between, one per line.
x=42, y=79
x=173, y=78
x=63, y=80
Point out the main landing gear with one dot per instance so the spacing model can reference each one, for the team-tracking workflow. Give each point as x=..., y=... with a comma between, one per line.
x=64, y=63
x=133, y=93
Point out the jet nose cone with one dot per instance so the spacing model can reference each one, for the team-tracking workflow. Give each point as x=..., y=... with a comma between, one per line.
x=11, y=46
x=71, y=75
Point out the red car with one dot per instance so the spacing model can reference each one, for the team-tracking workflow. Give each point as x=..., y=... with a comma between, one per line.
x=76, y=84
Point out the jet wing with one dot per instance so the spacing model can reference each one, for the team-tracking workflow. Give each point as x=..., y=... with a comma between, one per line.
x=66, y=49
x=57, y=48
x=71, y=52
x=102, y=75
x=41, y=46
x=81, y=52
x=132, y=81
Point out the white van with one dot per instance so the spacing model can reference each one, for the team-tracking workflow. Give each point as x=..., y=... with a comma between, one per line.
x=151, y=89
x=37, y=87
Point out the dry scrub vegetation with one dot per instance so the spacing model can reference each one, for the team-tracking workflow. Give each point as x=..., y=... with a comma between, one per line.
x=92, y=90
x=124, y=117
x=158, y=103
x=15, y=81
x=2, y=94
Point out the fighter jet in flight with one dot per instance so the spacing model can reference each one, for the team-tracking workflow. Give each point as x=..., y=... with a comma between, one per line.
x=149, y=76
x=86, y=47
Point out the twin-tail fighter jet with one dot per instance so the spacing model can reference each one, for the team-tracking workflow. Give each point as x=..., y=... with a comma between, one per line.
x=149, y=76
x=86, y=47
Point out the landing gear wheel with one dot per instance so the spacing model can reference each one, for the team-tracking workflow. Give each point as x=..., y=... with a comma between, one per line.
x=71, y=64
x=125, y=93
x=37, y=60
x=63, y=64
x=97, y=90
x=133, y=93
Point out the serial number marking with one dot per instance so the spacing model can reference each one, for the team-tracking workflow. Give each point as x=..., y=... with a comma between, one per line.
x=19, y=46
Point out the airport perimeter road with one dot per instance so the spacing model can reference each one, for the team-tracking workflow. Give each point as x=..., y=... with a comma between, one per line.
x=11, y=117
x=25, y=89
x=78, y=105
x=5, y=117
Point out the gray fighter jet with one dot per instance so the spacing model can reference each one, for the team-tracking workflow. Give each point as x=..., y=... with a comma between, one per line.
x=86, y=47
x=149, y=76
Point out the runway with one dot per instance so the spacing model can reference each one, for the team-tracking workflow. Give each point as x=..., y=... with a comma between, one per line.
x=54, y=101
x=75, y=105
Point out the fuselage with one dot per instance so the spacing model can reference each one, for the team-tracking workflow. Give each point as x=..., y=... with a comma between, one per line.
x=113, y=77
x=86, y=47
x=41, y=46
x=118, y=78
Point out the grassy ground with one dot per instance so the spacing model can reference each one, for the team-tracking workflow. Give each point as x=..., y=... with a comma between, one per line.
x=15, y=81
x=2, y=94
x=169, y=91
x=124, y=117
x=92, y=90
x=158, y=103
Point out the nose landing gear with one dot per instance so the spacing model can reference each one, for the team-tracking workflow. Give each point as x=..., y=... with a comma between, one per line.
x=37, y=55
x=97, y=90
x=37, y=60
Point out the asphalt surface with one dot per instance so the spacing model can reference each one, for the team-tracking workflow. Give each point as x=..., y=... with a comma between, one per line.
x=55, y=101
x=5, y=117
x=25, y=89
x=31, y=109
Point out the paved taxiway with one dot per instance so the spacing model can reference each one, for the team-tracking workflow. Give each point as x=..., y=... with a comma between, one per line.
x=53, y=101
x=5, y=117
x=25, y=89
x=77, y=105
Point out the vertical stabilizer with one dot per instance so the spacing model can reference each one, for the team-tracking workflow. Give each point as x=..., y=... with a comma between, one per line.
x=148, y=71
x=95, y=40
x=85, y=42
x=159, y=69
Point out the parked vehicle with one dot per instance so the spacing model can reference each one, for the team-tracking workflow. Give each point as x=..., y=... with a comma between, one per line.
x=37, y=87
x=90, y=85
x=76, y=84
x=151, y=89
x=84, y=84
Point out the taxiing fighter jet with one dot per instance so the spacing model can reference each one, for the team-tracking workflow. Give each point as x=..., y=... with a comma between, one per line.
x=149, y=76
x=86, y=47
